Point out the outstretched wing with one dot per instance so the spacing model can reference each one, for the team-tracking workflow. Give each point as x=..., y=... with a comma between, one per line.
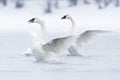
x=58, y=44
x=83, y=39
x=87, y=35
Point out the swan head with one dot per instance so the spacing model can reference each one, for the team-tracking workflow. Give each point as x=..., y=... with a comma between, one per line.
x=66, y=17
x=37, y=20
x=34, y=20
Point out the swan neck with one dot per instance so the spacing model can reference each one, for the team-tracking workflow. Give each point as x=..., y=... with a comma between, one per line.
x=43, y=32
x=39, y=37
x=73, y=23
x=72, y=28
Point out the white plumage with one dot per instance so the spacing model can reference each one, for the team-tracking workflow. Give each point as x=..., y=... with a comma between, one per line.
x=83, y=39
x=28, y=52
x=43, y=51
x=68, y=45
x=37, y=34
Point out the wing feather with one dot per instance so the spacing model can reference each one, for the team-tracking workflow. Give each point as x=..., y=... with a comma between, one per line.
x=87, y=35
x=58, y=44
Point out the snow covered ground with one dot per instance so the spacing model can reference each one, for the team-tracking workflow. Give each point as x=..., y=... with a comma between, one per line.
x=102, y=60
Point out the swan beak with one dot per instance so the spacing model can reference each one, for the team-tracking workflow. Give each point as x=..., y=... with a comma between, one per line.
x=30, y=21
x=64, y=17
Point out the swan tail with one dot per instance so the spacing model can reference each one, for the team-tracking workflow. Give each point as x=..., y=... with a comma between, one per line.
x=28, y=52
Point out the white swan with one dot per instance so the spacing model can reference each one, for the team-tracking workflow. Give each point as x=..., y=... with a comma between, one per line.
x=37, y=36
x=42, y=51
x=82, y=39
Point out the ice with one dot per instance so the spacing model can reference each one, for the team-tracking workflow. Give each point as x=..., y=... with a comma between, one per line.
x=102, y=61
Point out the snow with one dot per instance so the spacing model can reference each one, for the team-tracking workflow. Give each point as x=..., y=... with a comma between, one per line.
x=102, y=60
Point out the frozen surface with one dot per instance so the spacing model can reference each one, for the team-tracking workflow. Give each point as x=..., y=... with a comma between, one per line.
x=101, y=63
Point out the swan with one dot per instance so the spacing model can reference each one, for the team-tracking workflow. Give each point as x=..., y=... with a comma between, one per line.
x=28, y=51
x=42, y=50
x=81, y=39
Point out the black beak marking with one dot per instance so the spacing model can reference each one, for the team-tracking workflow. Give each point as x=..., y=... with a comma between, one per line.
x=64, y=17
x=32, y=20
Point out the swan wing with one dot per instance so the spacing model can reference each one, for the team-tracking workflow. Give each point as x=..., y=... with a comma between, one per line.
x=58, y=44
x=87, y=35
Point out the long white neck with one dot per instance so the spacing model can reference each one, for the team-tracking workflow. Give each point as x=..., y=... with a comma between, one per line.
x=72, y=28
x=39, y=37
x=43, y=32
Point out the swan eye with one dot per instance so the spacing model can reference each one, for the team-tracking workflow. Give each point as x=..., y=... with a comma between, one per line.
x=64, y=17
x=32, y=20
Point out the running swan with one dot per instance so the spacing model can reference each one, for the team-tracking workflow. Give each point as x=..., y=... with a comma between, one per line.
x=43, y=51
